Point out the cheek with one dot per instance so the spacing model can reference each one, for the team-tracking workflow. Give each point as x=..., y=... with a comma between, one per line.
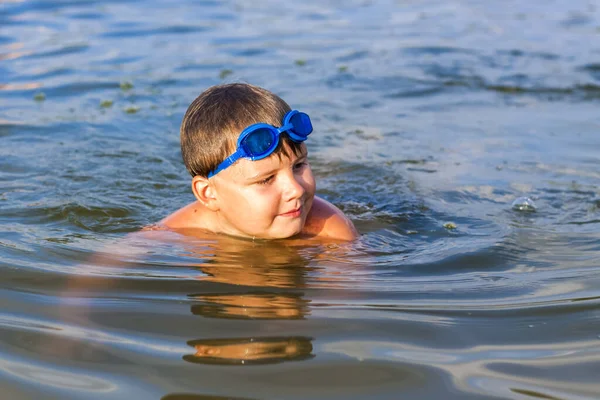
x=309, y=181
x=260, y=203
x=240, y=205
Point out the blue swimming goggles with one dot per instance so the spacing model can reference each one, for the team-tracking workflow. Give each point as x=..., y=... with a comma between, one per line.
x=260, y=140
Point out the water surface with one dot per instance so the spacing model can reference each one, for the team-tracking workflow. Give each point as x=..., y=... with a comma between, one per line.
x=431, y=119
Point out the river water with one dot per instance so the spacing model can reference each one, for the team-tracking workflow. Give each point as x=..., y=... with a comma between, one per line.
x=438, y=125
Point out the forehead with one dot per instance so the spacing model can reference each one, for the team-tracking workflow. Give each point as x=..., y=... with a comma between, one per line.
x=245, y=168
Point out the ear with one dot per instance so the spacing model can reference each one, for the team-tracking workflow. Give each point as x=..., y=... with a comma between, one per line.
x=205, y=192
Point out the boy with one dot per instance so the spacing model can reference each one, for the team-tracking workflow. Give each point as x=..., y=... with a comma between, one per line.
x=244, y=148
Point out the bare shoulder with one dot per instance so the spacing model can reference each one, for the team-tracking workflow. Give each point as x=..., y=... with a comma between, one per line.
x=189, y=216
x=326, y=220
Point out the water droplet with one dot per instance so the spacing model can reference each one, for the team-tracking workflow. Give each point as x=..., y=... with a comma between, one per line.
x=524, y=204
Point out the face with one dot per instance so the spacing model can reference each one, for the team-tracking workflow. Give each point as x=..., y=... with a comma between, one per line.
x=268, y=198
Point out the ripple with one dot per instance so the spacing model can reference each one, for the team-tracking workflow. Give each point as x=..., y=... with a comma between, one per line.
x=519, y=53
x=593, y=70
x=51, y=376
x=62, y=51
x=580, y=92
x=436, y=50
x=81, y=215
x=78, y=88
x=353, y=379
x=88, y=15
x=166, y=30
x=70, y=335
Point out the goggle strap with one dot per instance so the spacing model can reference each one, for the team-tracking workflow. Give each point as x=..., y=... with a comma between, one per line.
x=287, y=119
x=285, y=127
x=228, y=162
x=289, y=129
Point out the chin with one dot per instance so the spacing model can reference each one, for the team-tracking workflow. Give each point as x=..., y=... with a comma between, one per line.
x=288, y=232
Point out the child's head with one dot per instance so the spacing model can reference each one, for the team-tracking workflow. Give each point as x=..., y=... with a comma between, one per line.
x=215, y=119
x=265, y=198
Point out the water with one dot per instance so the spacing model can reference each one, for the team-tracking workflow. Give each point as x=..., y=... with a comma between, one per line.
x=431, y=119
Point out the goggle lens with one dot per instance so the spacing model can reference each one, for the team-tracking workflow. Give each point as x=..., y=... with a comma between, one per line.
x=301, y=124
x=259, y=142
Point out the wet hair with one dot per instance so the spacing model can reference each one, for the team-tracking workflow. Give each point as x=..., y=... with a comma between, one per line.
x=215, y=119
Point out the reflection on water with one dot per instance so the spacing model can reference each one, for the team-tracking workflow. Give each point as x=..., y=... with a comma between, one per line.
x=267, y=265
x=244, y=262
x=433, y=121
x=250, y=351
x=258, y=305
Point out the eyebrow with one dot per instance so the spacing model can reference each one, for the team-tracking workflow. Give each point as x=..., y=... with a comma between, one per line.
x=261, y=175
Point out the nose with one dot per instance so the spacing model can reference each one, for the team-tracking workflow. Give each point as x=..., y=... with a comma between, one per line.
x=293, y=188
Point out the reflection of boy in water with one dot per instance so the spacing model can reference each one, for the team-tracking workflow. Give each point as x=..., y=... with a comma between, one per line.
x=244, y=148
x=250, y=351
x=257, y=278
x=260, y=273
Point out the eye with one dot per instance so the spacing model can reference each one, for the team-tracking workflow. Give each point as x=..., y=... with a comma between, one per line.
x=266, y=180
x=300, y=165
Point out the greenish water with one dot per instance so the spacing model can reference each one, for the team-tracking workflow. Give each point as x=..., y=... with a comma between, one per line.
x=431, y=119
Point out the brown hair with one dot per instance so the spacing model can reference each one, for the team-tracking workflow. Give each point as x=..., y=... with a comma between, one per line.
x=215, y=119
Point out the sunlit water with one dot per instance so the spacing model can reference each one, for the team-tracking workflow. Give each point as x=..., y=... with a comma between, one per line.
x=461, y=137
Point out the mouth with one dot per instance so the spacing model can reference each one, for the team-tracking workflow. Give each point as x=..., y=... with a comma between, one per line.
x=293, y=213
